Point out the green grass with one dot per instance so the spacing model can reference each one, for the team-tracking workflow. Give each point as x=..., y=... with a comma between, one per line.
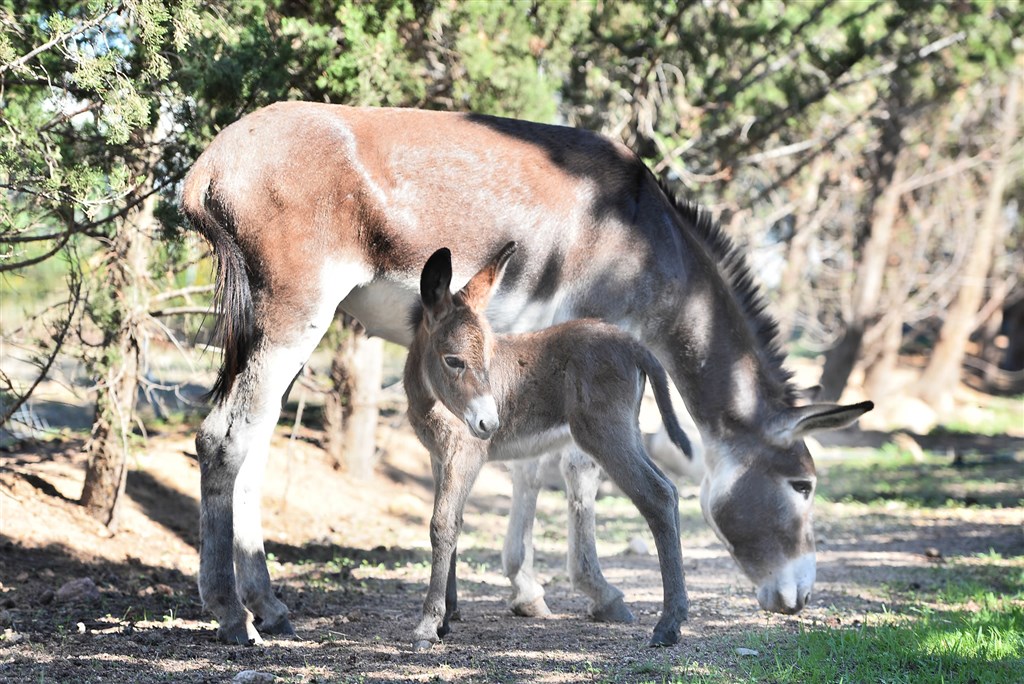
x=892, y=474
x=1001, y=416
x=983, y=643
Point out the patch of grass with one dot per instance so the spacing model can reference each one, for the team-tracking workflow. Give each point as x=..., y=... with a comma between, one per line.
x=976, y=636
x=978, y=646
x=1001, y=416
x=893, y=474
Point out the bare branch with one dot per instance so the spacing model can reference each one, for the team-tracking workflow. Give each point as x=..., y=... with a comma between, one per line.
x=183, y=292
x=35, y=260
x=179, y=310
x=73, y=299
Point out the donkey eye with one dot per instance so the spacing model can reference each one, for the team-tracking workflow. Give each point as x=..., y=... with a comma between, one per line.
x=454, y=362
x=803, y=487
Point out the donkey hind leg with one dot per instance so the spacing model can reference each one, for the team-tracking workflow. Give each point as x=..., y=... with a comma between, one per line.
x=453, y=481
x=517, y=554
x=619, y=449
x=582, y=478
x=233, y=445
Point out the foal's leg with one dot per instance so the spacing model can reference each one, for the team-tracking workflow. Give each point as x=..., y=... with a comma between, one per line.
x=517, y=554
x=451, y=489
x=619, y=449
x=582, y=478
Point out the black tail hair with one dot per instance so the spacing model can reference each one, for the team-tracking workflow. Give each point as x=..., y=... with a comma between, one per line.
x=235, y=328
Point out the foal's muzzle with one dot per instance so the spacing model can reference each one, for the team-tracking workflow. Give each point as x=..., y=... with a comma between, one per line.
x=482, y=417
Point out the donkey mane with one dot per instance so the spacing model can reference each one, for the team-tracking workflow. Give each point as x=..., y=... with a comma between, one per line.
x=737, y=274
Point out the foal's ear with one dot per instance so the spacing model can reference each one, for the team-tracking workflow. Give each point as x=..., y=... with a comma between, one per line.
x=435, y=283
x=477, y=292
x=800, y=422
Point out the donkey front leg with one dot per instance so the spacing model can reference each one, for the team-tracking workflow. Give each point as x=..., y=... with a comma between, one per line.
x=453, y=480
x=582, y=478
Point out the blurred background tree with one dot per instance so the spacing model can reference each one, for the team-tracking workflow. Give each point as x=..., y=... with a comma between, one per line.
x=863, y=153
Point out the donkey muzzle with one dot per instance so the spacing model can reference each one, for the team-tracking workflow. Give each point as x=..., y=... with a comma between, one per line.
x=482, y=416
x=789, y=590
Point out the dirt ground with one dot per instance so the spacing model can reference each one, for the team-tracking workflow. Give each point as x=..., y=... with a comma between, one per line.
x=350, y=559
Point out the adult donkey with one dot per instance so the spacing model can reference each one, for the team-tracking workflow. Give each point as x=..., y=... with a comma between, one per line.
x=312, y=206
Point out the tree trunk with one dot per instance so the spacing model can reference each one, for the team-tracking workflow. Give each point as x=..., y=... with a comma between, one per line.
x=119, y=312
x=867, y=287
x=805, y=229
x=942, y=374
x=351, y=411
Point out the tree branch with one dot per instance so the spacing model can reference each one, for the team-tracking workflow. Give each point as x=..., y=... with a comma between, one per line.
x=81, y=28
x=73, y=299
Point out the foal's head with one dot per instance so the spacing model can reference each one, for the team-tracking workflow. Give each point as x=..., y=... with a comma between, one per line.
x=455, y=340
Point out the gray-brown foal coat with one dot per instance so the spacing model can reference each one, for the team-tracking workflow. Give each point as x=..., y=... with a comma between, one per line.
x=475, y=396
x=312, y=206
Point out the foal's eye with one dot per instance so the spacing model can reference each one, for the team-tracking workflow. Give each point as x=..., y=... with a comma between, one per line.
x=802, y=487
x=454, y=362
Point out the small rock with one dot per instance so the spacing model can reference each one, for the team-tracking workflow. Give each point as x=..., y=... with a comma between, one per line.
x=638, y=547
x=933, y=553
x=22, y=576
x=81, y=589
x=746, y=652
x=11, y=637
x=80, y=627
x=158, y=589
x=253, y=677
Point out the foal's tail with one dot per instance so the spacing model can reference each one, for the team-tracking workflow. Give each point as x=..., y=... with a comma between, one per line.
x=659, y=383
x=235, y=326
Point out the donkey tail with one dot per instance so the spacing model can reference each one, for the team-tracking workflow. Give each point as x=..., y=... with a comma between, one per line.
x=659, y=383
x=235, y=327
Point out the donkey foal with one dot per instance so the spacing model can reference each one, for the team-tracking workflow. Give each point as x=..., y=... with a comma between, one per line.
x=476, y=396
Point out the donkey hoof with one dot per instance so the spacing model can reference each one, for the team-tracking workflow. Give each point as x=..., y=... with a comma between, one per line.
x=664, y=638
x=536, y=608
x=422, y=645
x=282, y=628
x=241, y=634
x=616, y=611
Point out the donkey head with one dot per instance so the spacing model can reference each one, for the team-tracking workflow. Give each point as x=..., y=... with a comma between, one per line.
x=457, y=339
x=760, y=507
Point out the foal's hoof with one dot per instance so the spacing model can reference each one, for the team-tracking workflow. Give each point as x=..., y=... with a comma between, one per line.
x=282, y=628
x=536, y=608
x=616, y=611
x=241, y=634
x=422, y=645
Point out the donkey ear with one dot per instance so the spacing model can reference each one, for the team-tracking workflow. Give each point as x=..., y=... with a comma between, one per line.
x=436, y=281
x=477, y=292
x=799, y=422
